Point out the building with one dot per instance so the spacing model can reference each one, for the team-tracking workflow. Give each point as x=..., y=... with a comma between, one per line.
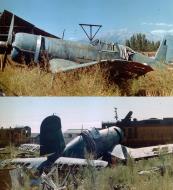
x=14, y=136
x=70, y=134
x=35, y=138
x=141, y=133
x=20, y=25
x=148, y=132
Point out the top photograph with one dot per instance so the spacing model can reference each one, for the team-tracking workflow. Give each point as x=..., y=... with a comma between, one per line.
x=86, y=48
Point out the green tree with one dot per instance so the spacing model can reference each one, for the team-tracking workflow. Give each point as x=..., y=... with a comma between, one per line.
x=139, y=42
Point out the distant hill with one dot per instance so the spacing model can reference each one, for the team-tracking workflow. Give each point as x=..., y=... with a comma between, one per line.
x=120, y=36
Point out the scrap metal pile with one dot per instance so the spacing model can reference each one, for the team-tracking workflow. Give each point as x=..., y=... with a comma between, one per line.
x=29, y=147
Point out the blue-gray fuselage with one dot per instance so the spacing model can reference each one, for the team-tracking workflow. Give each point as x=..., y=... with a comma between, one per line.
x=57, y=48
x=31, y=46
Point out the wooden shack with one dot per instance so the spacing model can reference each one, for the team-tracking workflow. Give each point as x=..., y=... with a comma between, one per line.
x=141, y=133
x=20, y=25
x=14, y=136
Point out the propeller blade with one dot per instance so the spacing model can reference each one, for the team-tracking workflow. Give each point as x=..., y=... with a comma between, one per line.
x=10, y=33
x=8, y=43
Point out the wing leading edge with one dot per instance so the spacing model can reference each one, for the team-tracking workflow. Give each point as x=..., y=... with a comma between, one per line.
x=36, y=162
x=121, y=67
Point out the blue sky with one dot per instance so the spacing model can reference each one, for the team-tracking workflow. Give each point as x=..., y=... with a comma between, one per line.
x=78, y=111
x=155, y=16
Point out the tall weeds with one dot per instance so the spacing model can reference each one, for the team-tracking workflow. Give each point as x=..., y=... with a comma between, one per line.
x=22, y=81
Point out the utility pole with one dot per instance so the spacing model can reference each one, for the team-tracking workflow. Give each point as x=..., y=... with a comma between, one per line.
x=116, y=114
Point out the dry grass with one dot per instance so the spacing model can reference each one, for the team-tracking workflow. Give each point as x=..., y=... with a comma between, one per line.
x=32, y=82
x=156, y=83
x=22, y=81
x=124, y=177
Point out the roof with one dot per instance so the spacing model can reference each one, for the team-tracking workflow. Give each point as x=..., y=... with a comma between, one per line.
x=154, y=121
x=74, y=131
x=34, y=135
x=20, y=25
x=16, y=127
x=168, y=121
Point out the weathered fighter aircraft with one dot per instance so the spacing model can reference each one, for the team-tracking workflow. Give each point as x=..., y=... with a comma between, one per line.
x=121, y=61
x=95, y=144
x=98, y=143
x=74, y=154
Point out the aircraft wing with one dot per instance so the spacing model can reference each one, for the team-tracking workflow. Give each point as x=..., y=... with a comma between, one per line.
x=123, y=153
x=36, y=162
x=46, y=179
x=116, y=66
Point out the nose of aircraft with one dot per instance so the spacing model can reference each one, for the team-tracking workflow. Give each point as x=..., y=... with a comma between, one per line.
x=119, y=132
x=24, y=45
x=15, y=54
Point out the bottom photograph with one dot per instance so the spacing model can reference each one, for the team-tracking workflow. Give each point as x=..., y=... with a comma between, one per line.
x=116, y=143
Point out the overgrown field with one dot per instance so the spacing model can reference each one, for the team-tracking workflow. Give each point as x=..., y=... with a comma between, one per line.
x=17, y=81
x=127, y=177
x=157, y=175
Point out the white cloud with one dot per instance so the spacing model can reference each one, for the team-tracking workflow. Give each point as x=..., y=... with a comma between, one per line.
x=164, y=24
x=147, y=23
x=157, y=24
x=160, y=31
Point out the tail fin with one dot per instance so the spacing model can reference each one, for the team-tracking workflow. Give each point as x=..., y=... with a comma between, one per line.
x=161, y=52
x=165, y=51
x=51, y=137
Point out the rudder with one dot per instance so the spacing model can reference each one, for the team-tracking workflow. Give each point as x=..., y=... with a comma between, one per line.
x=51, y=137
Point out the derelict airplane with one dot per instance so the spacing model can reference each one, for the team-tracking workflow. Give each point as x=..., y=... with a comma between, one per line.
x=55, y=154
x=67, y=55
x=104, y=143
